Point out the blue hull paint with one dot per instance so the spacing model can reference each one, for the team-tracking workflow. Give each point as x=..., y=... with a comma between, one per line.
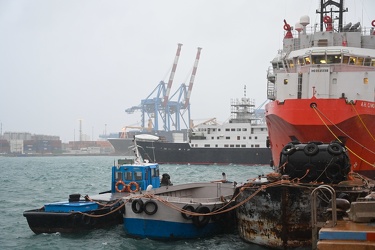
x=157, y=229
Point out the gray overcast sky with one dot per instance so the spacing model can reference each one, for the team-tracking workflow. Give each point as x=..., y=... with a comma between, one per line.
x=66, y=60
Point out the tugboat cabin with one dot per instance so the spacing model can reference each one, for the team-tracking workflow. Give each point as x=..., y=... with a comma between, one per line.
x=128, y=177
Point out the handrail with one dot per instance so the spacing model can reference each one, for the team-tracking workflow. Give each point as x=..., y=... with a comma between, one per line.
x=314, y=220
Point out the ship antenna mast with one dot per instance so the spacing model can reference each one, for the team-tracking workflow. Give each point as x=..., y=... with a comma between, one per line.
x=324, y=10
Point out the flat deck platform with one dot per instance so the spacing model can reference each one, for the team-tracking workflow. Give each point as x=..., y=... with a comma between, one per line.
x=347, y=235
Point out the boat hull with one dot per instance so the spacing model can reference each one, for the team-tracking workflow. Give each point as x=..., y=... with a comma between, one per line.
x=333, y=119
x=174, y=212
x=41, y=221
x=279, y=216
x=183, y=153
x=122, y=146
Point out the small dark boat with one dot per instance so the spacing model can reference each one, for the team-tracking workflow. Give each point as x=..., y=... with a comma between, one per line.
x=74, y=215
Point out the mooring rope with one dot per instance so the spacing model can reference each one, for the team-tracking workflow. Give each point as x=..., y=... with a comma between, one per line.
x=317, y=111
x=364, y=125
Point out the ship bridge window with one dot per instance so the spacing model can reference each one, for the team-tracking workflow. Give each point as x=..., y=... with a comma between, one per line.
x=318, y=59
x=274, y=65
x=307, y=60
x=352, y=60
x=367, y=61
x=301, y=61
x=280, y=65
x=359, y=61
x=119, y=176
x=333, y=59
x=291, y=64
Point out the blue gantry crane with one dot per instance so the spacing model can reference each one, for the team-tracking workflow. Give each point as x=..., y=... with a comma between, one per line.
x=159, y=107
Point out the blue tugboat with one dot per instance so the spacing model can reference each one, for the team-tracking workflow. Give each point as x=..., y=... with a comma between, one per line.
x=102, y=210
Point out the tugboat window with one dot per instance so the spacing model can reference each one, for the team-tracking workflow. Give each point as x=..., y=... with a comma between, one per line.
x=138, y=175
x=119, y=176
x=129, y=176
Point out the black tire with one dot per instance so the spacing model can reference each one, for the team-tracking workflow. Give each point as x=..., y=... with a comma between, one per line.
x=153, y=205
x=311, y=149
x=201, y=221
x=137, y=206
x=334, y=148
x=288, y=149
x=187, y=208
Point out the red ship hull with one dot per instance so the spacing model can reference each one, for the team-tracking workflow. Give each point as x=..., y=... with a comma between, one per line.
x=332, y=119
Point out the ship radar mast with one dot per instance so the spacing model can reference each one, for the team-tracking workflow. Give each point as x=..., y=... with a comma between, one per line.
x=325, y=11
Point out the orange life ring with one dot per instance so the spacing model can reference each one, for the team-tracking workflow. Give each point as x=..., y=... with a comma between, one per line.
x=135, y=185
x=120, y=182
x=373, y=23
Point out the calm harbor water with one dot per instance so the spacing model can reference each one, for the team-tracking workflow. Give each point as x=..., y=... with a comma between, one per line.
x=30, y=182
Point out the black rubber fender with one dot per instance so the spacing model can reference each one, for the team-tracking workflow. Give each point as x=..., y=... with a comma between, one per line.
x=334, y=148
x=137, y=206
x=201, y=221
x=147, y=205
x=190, y=208
x=311, y=149
x=288, y=149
